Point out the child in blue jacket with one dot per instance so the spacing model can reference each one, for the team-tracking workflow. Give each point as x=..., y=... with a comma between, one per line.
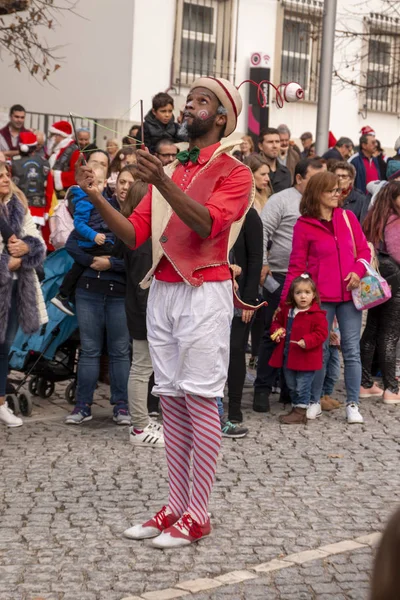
x=94, y=237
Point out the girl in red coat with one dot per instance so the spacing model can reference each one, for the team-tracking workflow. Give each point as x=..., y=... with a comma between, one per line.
x=300, y=329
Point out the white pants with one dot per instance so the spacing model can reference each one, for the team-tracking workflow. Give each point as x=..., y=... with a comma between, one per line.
x=188, y=330
x=138, y=383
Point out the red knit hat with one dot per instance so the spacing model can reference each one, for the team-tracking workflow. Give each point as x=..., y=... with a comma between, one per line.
x=367, y=130
x=27, y=139
x=61, y=128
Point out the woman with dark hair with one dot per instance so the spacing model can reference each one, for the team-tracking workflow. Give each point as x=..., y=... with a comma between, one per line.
x=125, y=156
x=352, y=198
x=382, y=331
x=260, y=169
x=328, y=243
x=100, y=309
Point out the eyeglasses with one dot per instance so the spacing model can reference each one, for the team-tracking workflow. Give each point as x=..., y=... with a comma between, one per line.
x=172, y=154
x=334, y=192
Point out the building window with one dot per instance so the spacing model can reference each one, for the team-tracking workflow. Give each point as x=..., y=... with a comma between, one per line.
x=301, y=45
x=204, y=40
x=382, y=71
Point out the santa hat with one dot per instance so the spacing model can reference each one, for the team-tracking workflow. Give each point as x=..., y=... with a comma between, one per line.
x=27, y=140
x=367, y=130
x=61, y=128
x=227, y=94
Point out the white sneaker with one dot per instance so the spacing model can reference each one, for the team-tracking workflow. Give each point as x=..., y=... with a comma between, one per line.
x=156, y=425
x=8, y=418
x=148, y=438
x=314, y=410
x=353, y=414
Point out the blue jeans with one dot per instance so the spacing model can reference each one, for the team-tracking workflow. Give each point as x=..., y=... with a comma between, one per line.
x=220, y=407
x=12, y=326
x=99, y=314
x=332, y=373
x=299, y=384
x=349, y=319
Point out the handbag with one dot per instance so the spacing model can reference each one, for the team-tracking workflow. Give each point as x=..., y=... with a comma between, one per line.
x=373, y=289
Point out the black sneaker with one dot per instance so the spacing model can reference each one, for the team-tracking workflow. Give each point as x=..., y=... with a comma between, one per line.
x=261, y=402
x=230, y=430
x=62, y=304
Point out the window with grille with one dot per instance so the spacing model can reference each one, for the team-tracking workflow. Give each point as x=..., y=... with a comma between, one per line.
x=301, y=45
x=204, y=40
x=382, y=72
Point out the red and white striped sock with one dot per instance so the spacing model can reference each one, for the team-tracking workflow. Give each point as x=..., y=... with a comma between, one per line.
x=178, y=436
x=206, y=427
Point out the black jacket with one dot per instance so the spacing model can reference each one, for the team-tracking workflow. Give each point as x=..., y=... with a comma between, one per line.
x=358, y=203
x=248, y=254
x=137, y=264
x=154, y=131
x=281, y=179
x=332, y=153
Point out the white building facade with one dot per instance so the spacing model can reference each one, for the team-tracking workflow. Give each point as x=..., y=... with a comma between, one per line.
x=117, y=52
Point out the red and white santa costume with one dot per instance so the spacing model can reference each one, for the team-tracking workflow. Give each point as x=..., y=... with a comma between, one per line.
x=62, y=161
x=189, y=315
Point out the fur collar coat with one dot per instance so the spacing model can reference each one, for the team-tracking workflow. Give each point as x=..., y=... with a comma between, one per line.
x=30, y=305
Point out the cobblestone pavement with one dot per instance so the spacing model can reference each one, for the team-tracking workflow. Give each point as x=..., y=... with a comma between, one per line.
x=67, y=493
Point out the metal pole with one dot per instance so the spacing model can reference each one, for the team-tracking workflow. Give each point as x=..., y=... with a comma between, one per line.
x=325, y=76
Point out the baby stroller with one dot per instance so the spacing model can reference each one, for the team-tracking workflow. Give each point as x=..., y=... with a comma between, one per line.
x=50, y=354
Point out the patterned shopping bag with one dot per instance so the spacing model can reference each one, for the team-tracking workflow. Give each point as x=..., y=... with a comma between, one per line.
x=373, y=289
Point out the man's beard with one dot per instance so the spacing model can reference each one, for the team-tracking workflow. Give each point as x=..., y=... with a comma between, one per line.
x=197, y=128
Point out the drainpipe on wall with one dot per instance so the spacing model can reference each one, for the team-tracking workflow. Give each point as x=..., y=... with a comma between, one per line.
x=325, y=76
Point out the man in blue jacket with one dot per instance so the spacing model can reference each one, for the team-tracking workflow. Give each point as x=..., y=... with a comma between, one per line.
x=365, y=164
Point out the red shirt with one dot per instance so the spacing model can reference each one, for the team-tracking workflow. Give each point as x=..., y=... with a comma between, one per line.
x=371, y=172
x=225, y=206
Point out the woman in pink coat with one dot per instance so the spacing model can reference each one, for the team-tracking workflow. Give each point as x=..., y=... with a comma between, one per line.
x=323, y=246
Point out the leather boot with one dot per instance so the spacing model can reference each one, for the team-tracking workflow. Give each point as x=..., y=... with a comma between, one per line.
x=328, y=403
x=261, y=402
x=296, y=416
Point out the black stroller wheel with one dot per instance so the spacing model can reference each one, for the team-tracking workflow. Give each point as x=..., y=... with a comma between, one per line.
x=45, y=388
x=13, y=403
x=25, y=404
x=33, y=386
x=70, y=392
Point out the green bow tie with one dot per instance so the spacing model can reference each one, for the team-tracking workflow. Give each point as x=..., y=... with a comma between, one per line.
x=186, y=155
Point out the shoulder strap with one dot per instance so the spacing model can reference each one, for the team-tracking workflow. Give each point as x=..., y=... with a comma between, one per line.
x=346, y=218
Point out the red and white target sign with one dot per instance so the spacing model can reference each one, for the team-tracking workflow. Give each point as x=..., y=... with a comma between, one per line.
x=260, y=59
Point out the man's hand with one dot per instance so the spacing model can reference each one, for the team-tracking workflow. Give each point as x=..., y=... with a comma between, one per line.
x=354, y=281
x=247, y=315
x=14, y=263
x=265, y=271
x=101, y=263
x=149, y=168
x=16, y=247
x=84, y=176
x=100, y=239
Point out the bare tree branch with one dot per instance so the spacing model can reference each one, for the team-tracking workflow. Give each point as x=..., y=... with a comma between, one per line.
x=22, y=34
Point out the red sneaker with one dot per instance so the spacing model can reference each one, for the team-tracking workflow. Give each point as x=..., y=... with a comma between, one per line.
x=162, y=520
x=184, y=532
